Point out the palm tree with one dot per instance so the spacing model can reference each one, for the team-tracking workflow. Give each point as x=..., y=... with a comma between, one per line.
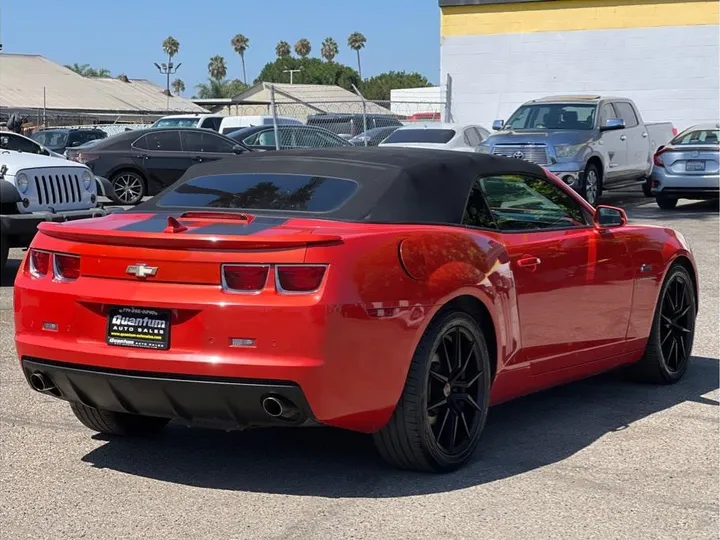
x=171, y=47
x=179, y=86
x=303, y=48
x=329, y=49
x=86, y=71
x=78, y=68
x=217, y=67
x=240, y=44
x=282, y=49
x=356, y=41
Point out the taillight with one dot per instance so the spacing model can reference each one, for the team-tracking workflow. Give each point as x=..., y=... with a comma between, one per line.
x=301, y=278
x=39, y=262
x=82, y=157
x=67, y=266
x=245, y=277
x=657, y=158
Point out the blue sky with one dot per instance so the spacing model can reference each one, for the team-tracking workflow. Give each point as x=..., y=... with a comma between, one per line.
x=125, y=36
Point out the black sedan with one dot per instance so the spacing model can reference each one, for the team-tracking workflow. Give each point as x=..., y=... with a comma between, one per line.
x=146, y=161
x=291, y=136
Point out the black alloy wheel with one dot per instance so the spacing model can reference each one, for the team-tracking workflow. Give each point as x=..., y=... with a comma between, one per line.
x=670, y=343
x=128, y=188
x=438, y=421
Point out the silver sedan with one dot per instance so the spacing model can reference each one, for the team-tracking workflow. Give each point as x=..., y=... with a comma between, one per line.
x=688, y=167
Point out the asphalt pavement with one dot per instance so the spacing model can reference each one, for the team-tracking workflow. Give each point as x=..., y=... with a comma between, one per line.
x=601, y=458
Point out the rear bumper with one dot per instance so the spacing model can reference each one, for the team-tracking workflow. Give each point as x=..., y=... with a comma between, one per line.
x=223, y=402
x=686, y=186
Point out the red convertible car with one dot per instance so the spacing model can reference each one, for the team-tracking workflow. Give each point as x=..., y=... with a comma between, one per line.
x=397, y=292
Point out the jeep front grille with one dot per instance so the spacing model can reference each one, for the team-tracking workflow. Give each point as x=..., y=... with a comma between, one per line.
x=58, y=188
x=534, y=153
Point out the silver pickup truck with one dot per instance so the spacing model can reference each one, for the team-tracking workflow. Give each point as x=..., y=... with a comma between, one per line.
x=592, y=143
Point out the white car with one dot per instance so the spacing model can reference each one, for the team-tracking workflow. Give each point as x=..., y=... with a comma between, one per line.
x=36, y=188
x=9, y=140
x=205, y=121
x=441, y=135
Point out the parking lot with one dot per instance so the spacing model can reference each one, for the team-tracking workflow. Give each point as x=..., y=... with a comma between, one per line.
x=601, y=458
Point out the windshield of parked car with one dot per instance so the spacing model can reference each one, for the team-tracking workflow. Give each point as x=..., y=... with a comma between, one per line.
x=176, y=122
x=698, y=136
x=261, y=191
x=553, y=116
x=52, y=139
x=420, y=135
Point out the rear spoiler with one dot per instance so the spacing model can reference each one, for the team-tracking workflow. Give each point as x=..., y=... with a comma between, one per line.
x=65, y=231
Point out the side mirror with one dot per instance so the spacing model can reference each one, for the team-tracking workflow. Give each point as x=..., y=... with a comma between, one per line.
x=237, y=149
x=613, y=124
x=609, y=216
x=497, y=125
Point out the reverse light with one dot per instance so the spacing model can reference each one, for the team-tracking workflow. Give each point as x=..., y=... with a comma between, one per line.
x=39, y=262
x=247, y=278
x=67, y=267
x=301, y=278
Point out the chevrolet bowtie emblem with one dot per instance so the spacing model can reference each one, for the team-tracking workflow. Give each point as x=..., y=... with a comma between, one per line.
x=141, y=270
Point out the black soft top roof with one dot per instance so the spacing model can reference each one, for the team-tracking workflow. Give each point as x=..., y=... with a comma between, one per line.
x=396, y=184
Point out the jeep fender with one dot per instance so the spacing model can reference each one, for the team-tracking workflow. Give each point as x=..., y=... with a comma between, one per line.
x=9, y=193
x=104, y=187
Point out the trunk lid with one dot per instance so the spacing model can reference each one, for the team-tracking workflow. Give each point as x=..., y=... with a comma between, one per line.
x=696, y=160
x=182, y=248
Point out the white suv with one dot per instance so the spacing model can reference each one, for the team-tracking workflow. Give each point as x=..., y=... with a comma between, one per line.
x=36, y=188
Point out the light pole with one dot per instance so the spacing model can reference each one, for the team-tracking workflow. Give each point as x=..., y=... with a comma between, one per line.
x=291, y=72
x=167, y=70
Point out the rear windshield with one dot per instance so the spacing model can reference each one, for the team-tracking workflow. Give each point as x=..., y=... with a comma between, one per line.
x=53, y=139
x=700, y=136
x=420, y=136
x=261, y=191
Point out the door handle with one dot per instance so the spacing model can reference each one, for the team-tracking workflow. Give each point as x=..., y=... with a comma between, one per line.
x=528, y=262
x=623, y=138
x=645, y=135
x=141, y=156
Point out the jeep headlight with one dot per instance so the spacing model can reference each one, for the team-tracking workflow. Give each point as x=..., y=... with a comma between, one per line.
x=567, y=150
x=22, y=182
x=86, y=180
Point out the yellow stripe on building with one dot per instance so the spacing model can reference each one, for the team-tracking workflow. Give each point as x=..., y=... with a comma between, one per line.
x=567, y=15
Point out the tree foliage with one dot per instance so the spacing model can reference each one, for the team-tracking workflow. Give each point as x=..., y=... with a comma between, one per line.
x=313, y=71
x=356, y=41
x=217, y=68
x=220, y=88
x=378, y=88
x=171, y=46
x=329, y=49
x=86, y=71
x=178, y=86
x=303, y=48
x=282, y=49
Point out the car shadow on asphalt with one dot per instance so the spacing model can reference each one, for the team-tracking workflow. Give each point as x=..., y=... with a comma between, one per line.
x=520, y=436
x=695, y=210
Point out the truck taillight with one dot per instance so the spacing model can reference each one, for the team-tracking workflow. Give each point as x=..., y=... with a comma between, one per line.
x=39, y=262
x=299, y=278
x=67, y=267
x=246, y=278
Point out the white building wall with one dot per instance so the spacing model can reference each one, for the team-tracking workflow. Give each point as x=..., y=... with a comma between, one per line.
x=672, y=73
x=408, y=101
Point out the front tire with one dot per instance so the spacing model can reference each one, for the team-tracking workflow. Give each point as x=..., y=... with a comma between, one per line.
x=669, y=346
x=592, y=185
x=666, y=203
x=116, y=423
x=438, y=421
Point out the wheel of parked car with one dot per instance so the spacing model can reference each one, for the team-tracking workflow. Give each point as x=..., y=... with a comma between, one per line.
x=438, y=421
x=128, y=187
x=673, y=330
x=666, y=203
x=116, y=423
x=592, y=185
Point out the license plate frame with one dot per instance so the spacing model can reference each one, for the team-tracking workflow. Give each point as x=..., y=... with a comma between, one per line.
x=694, y=166
x=138, y=328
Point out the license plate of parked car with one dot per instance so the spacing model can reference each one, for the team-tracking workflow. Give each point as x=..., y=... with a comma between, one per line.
x=695, y=166
x=139, y=328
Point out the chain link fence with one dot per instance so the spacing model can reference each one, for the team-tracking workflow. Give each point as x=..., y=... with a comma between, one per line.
x=39, y=119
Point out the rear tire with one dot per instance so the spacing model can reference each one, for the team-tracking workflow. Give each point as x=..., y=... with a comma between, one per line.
x=669, y=346
x=128, y=188
x=666, y=203
x=115, y=423
x=438, y=421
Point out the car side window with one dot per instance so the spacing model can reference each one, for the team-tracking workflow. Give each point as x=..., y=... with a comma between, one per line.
x=470, y=137
x=162, y=141
x=528, y=203
x=607, y=112
x=626, y=112
x=192, y=141
x=19, y=144
x=477, y=214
